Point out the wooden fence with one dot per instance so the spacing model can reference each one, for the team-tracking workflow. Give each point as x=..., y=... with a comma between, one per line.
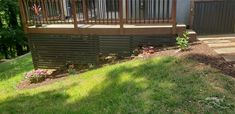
x=213, y=16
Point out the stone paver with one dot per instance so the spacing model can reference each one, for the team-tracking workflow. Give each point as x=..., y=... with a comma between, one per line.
x=217, y=45
x=225, y=50
x=216, y=41
x=224, y=45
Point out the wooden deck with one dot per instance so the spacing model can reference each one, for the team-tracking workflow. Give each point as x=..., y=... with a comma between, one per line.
x=87, y=17
x=79, y=31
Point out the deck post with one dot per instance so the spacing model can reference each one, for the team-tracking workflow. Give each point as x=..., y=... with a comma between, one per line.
x=44, y=12
x=23, y=16
x=191, y=15
x=121, y=16
x=174, y=4
x=85, y=12
x=75, y=22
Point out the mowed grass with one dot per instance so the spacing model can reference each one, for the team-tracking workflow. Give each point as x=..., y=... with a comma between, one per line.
x=158, y=85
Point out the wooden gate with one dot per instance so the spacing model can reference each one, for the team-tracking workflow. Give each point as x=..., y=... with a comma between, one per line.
x=213, y=16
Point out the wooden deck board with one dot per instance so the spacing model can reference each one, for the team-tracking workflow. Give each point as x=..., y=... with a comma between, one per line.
x=89, y=29
x=103, y=26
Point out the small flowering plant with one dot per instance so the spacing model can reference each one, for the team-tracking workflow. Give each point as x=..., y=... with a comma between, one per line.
x=36, y=76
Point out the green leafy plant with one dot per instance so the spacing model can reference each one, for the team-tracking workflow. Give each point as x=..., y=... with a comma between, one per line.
x=183, y=42
x=71, y=69
x=36, y=76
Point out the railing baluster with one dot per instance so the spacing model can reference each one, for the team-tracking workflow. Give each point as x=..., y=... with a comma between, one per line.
x=168, y=10
x=93, y=1
x=115, y=11
x=100, y=12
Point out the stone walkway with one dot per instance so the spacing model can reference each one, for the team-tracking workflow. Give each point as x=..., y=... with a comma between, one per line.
x=224, y=45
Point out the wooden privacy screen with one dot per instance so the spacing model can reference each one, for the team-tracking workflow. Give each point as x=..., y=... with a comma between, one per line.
x=214, y=16
x=56, y=51
x=98, y=11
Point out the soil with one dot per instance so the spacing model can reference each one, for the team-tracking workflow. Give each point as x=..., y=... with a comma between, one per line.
x=198, y=51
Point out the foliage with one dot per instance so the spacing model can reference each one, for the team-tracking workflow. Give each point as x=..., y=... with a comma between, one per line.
x=12, y=39
x=71, y=70
x=183, y=42
x=36, y=76
x=159, y=85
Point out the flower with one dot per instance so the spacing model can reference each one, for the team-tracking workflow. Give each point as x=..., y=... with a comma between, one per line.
x=36, y=75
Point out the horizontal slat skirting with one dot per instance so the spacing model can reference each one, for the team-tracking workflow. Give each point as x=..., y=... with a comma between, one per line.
x=55, y=51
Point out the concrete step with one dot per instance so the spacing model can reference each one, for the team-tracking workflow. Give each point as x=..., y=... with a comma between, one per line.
x=192, y=35
x=181, y=28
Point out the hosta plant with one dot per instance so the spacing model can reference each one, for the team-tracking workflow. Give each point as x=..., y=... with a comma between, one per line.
x=36, y=76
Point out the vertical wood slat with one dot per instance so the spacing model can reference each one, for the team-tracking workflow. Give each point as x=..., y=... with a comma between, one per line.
x=74, y=10
x=174, y=4
x=213, y=17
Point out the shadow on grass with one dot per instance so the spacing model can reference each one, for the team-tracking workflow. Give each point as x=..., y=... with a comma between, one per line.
x=151, y=86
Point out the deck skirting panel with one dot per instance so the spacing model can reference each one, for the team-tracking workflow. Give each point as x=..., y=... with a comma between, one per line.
x=56, y=51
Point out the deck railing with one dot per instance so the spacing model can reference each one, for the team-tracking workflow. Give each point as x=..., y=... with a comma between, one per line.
x=98, y=11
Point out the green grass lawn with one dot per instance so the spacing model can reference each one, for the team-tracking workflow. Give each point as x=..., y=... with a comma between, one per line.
x=158, y=85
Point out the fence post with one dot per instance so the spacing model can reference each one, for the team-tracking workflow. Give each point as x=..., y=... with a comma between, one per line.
x=121, y=15
x=75, y=22
x=174, y=4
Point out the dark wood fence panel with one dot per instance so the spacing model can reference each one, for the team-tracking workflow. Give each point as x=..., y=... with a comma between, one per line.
x=55, y=51
x=214, y=16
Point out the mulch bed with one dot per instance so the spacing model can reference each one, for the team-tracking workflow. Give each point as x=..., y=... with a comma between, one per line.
x=203, y=54
x=198, y=51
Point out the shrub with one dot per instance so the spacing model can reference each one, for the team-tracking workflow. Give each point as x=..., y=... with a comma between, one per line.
x=183, y=42
x=36, y=76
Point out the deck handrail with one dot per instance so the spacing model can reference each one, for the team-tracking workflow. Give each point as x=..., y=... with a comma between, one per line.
x=118, y=12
